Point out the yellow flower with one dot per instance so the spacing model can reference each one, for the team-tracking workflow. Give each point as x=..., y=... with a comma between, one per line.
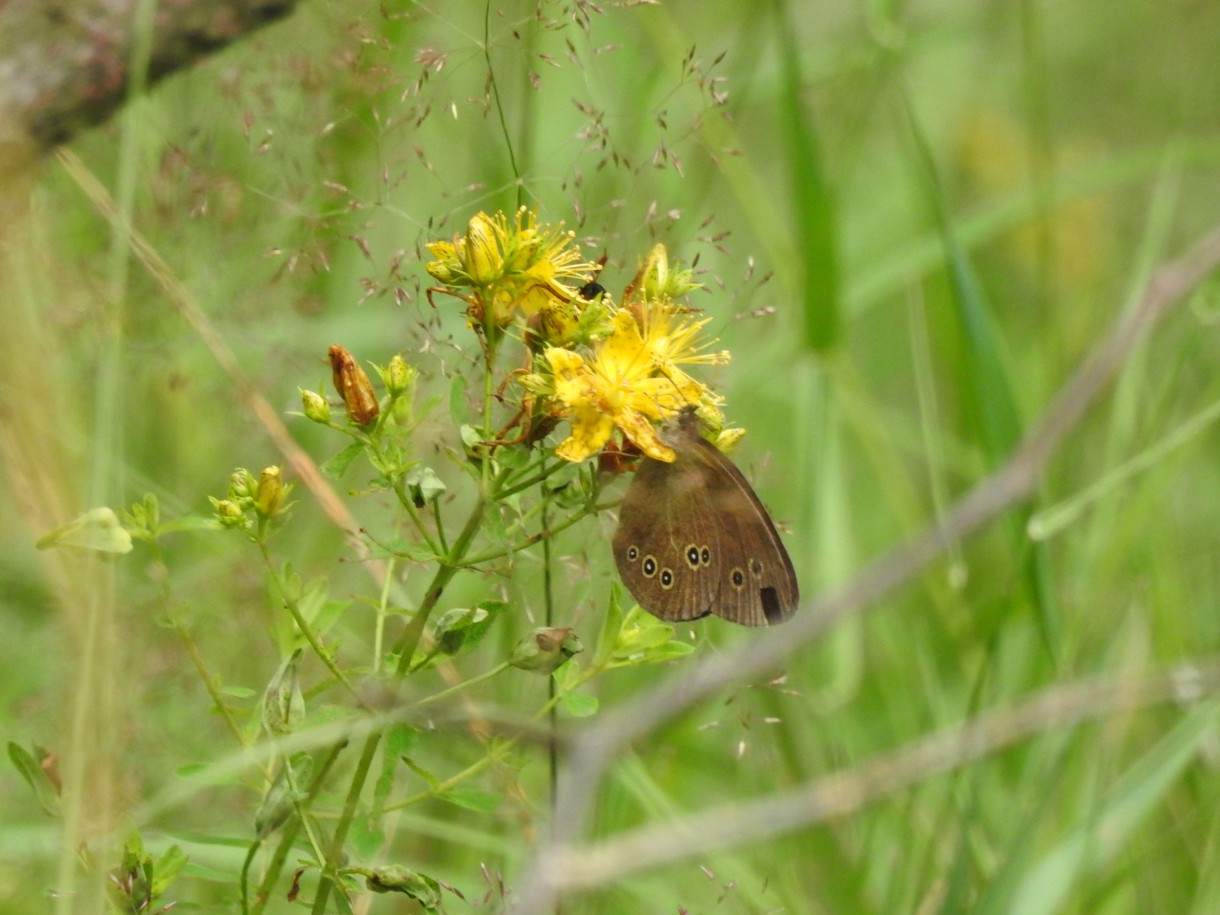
x=617, y=386
x=512, y=270
x=671, y=342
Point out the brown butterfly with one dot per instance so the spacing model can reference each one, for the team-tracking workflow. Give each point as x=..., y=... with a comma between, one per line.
x=694, y=540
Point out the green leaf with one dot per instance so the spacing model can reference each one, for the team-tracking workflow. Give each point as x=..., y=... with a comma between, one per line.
x=635, y=639
x=329, y=614
x=313, y=598
x=607, y=639
x=474, y=442
x=472, y=799
x=458, y=404
x=167, y=868
x=35, y=776
x=366, y=836
x=336, y=466
x=644, y=639
x=461, y=628
x=396, y=745
x=423, y=485
x=454, y=626
x=98, y=529
x=815, y=230
x=579, y=705
x=400, y=739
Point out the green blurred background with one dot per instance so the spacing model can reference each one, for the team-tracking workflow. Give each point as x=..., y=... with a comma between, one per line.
x=822, y=164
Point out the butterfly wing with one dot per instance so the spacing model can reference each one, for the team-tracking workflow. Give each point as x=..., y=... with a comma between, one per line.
x=756, y=584
x=665, y=540
x=694, y=539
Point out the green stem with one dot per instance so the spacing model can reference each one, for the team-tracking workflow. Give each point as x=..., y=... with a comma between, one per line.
x=298, y=805
x=210, y=682
x=495, y=93
x=382, y=604
x=538, y=537
x=406, y=647
x=494, y=755
x=303, y=625
x=465, y=684
x=522, y=485
x=372, y=442
x=548, y=596
x=329, y=876
x=287, y=837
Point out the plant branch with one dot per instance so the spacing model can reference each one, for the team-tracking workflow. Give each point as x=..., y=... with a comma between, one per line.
x=66, y=64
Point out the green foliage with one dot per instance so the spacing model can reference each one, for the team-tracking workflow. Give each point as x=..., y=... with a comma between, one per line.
x=910, y=223
x=36, y=775
x=139, y=882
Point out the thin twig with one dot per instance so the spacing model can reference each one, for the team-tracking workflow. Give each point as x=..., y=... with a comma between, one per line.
x=842, y=793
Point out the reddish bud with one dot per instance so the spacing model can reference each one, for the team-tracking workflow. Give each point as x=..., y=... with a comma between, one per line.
x=353, y=386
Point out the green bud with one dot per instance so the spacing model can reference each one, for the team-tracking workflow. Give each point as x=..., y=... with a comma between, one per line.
x=283, y=703
x=227, y=513
x=399, y=377
x=280, y=800
x=545, y=649
x=242, y=485
x=271, y=493
x=657, y=281
x=316, y=407
x=394, y=878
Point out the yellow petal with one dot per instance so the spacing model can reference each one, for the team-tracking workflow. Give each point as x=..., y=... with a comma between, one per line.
x=483, y=259
x=644, y=435
x=590, y=430
x=622, y=356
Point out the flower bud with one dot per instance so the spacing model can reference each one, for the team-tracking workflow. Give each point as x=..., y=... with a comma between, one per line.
x=484, y=263
x=656, y=280
x=280, y=801
x=353, y=385
x=545, y=649
x=228, y=513
x=399, y=377
x=394, y=878
x=241, y=485
x=271, y=493
x=446, y=268
x=315, y=406
x=283, y=703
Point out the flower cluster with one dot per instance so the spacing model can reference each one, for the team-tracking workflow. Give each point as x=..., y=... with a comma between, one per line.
x=252, y=500
x=599, y=365
x=507, y=272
